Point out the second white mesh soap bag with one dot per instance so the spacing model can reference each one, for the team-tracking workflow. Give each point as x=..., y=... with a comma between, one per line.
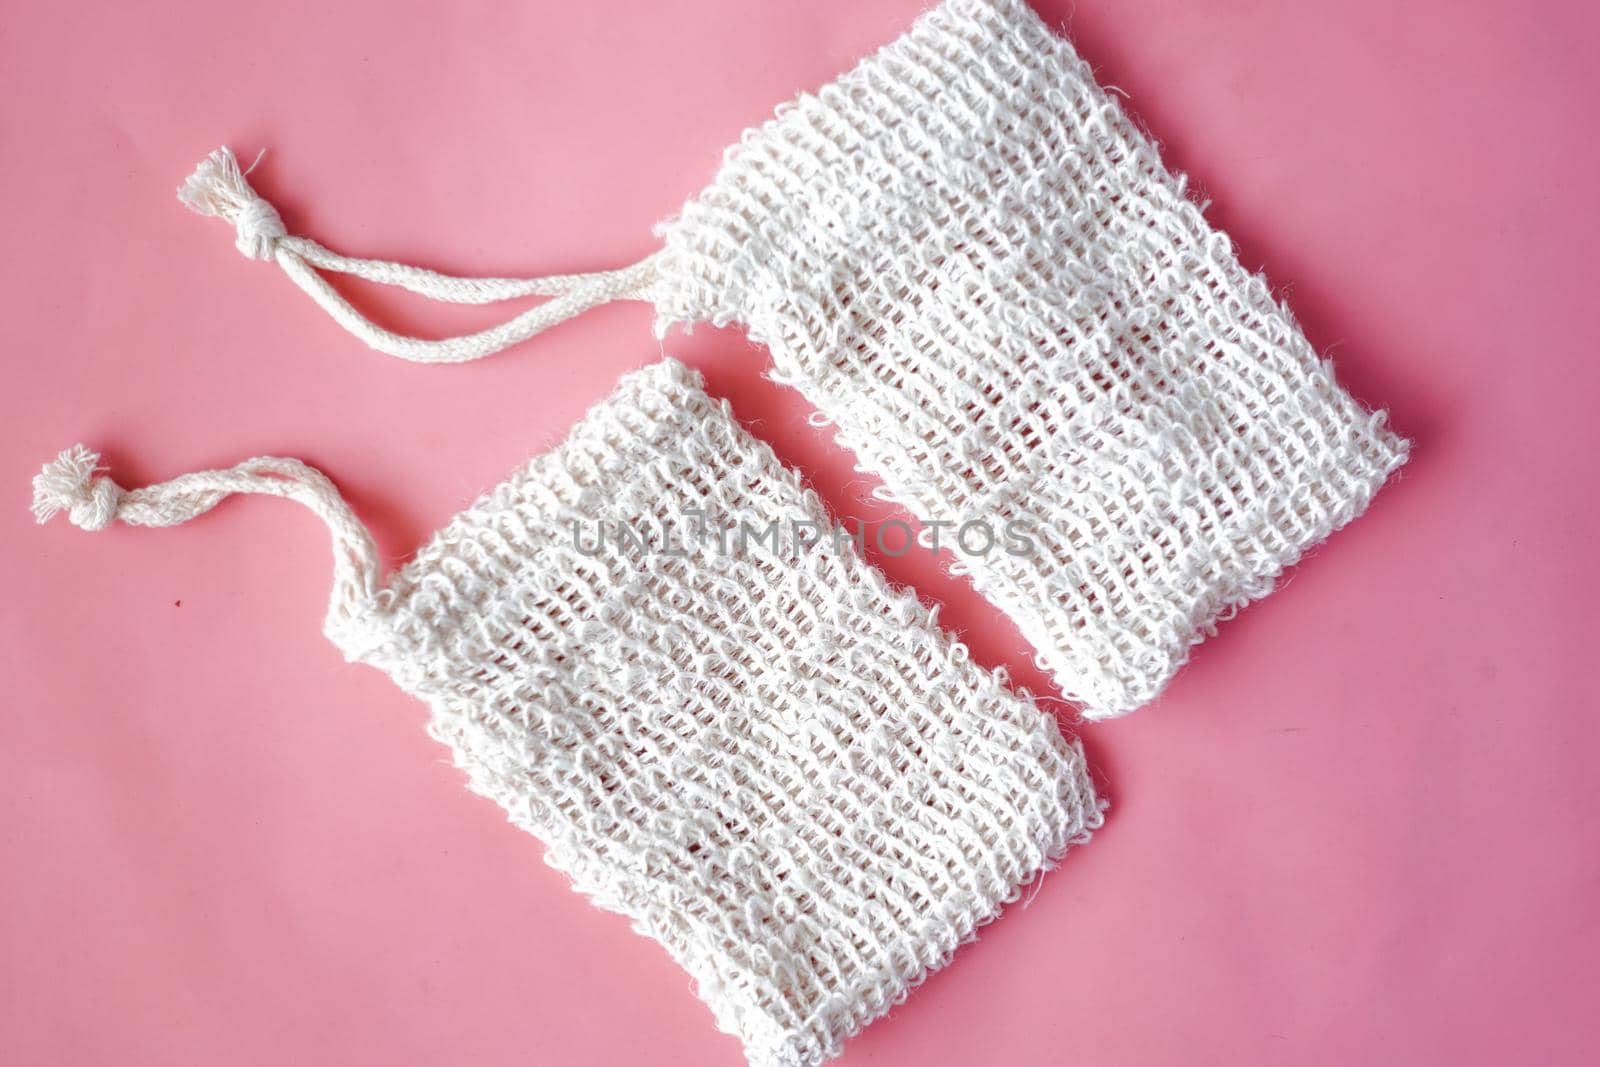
x=773, y=762
x=971, y=262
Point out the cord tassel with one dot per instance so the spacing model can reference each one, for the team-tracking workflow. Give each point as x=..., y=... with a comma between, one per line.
x=68, y=484
x=219, y=188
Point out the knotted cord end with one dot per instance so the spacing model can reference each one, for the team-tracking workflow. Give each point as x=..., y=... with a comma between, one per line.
x=68, y=483
x=218, y=187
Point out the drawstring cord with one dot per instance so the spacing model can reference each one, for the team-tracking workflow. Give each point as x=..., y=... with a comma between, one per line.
x=71, y=483
x=218, y=187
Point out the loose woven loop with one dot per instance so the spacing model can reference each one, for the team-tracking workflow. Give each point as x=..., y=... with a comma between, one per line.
x=218, y=187
x=70, y=483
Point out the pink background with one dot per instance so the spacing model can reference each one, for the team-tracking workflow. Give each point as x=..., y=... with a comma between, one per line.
x=1358, y=829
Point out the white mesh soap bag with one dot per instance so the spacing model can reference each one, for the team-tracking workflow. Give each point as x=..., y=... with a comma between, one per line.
x=972, y=263
x=773, y=762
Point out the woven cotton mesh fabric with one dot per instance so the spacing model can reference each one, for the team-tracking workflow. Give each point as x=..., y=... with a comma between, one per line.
x=971, y=262
x=772, y=761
